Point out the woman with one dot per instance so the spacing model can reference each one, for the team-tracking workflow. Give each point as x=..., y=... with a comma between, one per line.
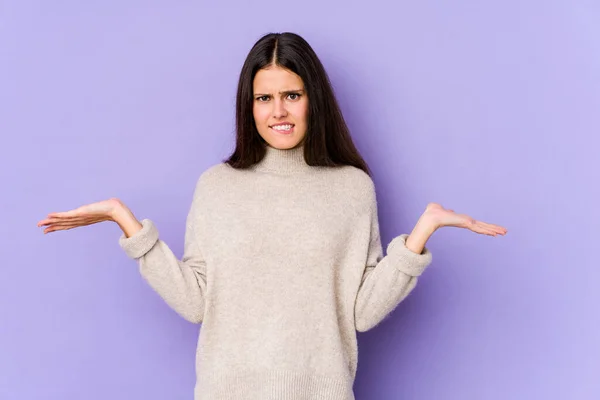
x=283, y=261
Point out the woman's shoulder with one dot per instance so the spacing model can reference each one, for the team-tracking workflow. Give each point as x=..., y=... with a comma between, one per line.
x=211, y=178
x=214, y=171
x=355, y=178
x=355, y=186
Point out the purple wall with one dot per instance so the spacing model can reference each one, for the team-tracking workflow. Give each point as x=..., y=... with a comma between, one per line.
x=492, y=110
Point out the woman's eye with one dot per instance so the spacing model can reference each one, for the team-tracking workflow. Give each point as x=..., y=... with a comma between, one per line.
x=291, y=96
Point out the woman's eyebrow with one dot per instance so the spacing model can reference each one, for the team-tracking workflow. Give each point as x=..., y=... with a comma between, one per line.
x=282, y=92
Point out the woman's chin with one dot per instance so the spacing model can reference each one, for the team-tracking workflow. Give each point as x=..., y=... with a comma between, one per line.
x=284, y=143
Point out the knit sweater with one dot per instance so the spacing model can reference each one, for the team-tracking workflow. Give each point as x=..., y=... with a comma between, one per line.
x=282, y=265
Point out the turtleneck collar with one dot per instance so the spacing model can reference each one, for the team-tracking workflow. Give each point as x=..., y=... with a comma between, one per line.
x=281, y=161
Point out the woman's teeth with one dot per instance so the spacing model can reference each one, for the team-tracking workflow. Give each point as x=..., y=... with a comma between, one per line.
x=282, y=127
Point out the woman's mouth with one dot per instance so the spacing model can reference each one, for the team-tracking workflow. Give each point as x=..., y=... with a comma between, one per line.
x=284, y=129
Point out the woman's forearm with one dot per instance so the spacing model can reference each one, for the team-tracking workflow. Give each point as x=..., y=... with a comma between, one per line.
x=420, y=234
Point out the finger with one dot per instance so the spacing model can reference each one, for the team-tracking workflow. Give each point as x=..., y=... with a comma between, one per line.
x=50, y=221
x=53, y=228
x=64, y=214
x=47, y=222
x=477, y=227
x=74, y=224
x=488, y=225
x=60, y=227
x=496, y=228
x=74, y=220
x=64, y=225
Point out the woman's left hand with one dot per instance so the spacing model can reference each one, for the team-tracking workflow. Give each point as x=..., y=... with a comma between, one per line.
x=439, y=217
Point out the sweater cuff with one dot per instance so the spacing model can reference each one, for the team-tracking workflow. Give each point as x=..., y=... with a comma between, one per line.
x=408, y=261
x=140, y=242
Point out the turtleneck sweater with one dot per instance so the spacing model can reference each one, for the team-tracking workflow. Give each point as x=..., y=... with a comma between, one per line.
x=282, y=265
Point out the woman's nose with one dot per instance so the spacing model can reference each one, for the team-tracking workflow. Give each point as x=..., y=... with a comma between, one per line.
x=279, y=109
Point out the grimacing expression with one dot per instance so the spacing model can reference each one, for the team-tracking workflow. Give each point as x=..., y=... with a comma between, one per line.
x=280, y=107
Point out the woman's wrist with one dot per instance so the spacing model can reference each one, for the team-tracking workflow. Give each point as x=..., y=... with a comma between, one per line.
x=124, y=217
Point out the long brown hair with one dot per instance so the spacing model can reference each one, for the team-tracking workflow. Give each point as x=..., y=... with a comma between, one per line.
x=327, y=141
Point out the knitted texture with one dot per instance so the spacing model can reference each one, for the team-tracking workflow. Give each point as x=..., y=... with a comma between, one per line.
x=282, y=264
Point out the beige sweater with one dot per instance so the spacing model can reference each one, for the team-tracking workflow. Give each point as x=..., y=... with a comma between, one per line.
x=282, y=264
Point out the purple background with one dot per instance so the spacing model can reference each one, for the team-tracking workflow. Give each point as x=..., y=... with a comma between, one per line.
x=490, y=109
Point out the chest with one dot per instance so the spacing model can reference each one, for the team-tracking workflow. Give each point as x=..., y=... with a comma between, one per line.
x=293, y=223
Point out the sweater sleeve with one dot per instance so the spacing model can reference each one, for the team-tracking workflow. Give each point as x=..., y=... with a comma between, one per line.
x=386, y=280
x=181, y=283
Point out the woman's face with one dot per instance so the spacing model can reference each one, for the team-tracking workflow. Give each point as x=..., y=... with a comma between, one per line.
x=280, y=107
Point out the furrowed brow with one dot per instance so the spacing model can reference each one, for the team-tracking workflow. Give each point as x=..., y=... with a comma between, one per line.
x=282, y=92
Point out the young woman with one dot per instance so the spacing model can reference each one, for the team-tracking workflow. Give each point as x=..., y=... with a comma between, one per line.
x=283, y=261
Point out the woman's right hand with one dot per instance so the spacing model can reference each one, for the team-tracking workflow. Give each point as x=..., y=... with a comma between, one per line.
x=88, y=214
